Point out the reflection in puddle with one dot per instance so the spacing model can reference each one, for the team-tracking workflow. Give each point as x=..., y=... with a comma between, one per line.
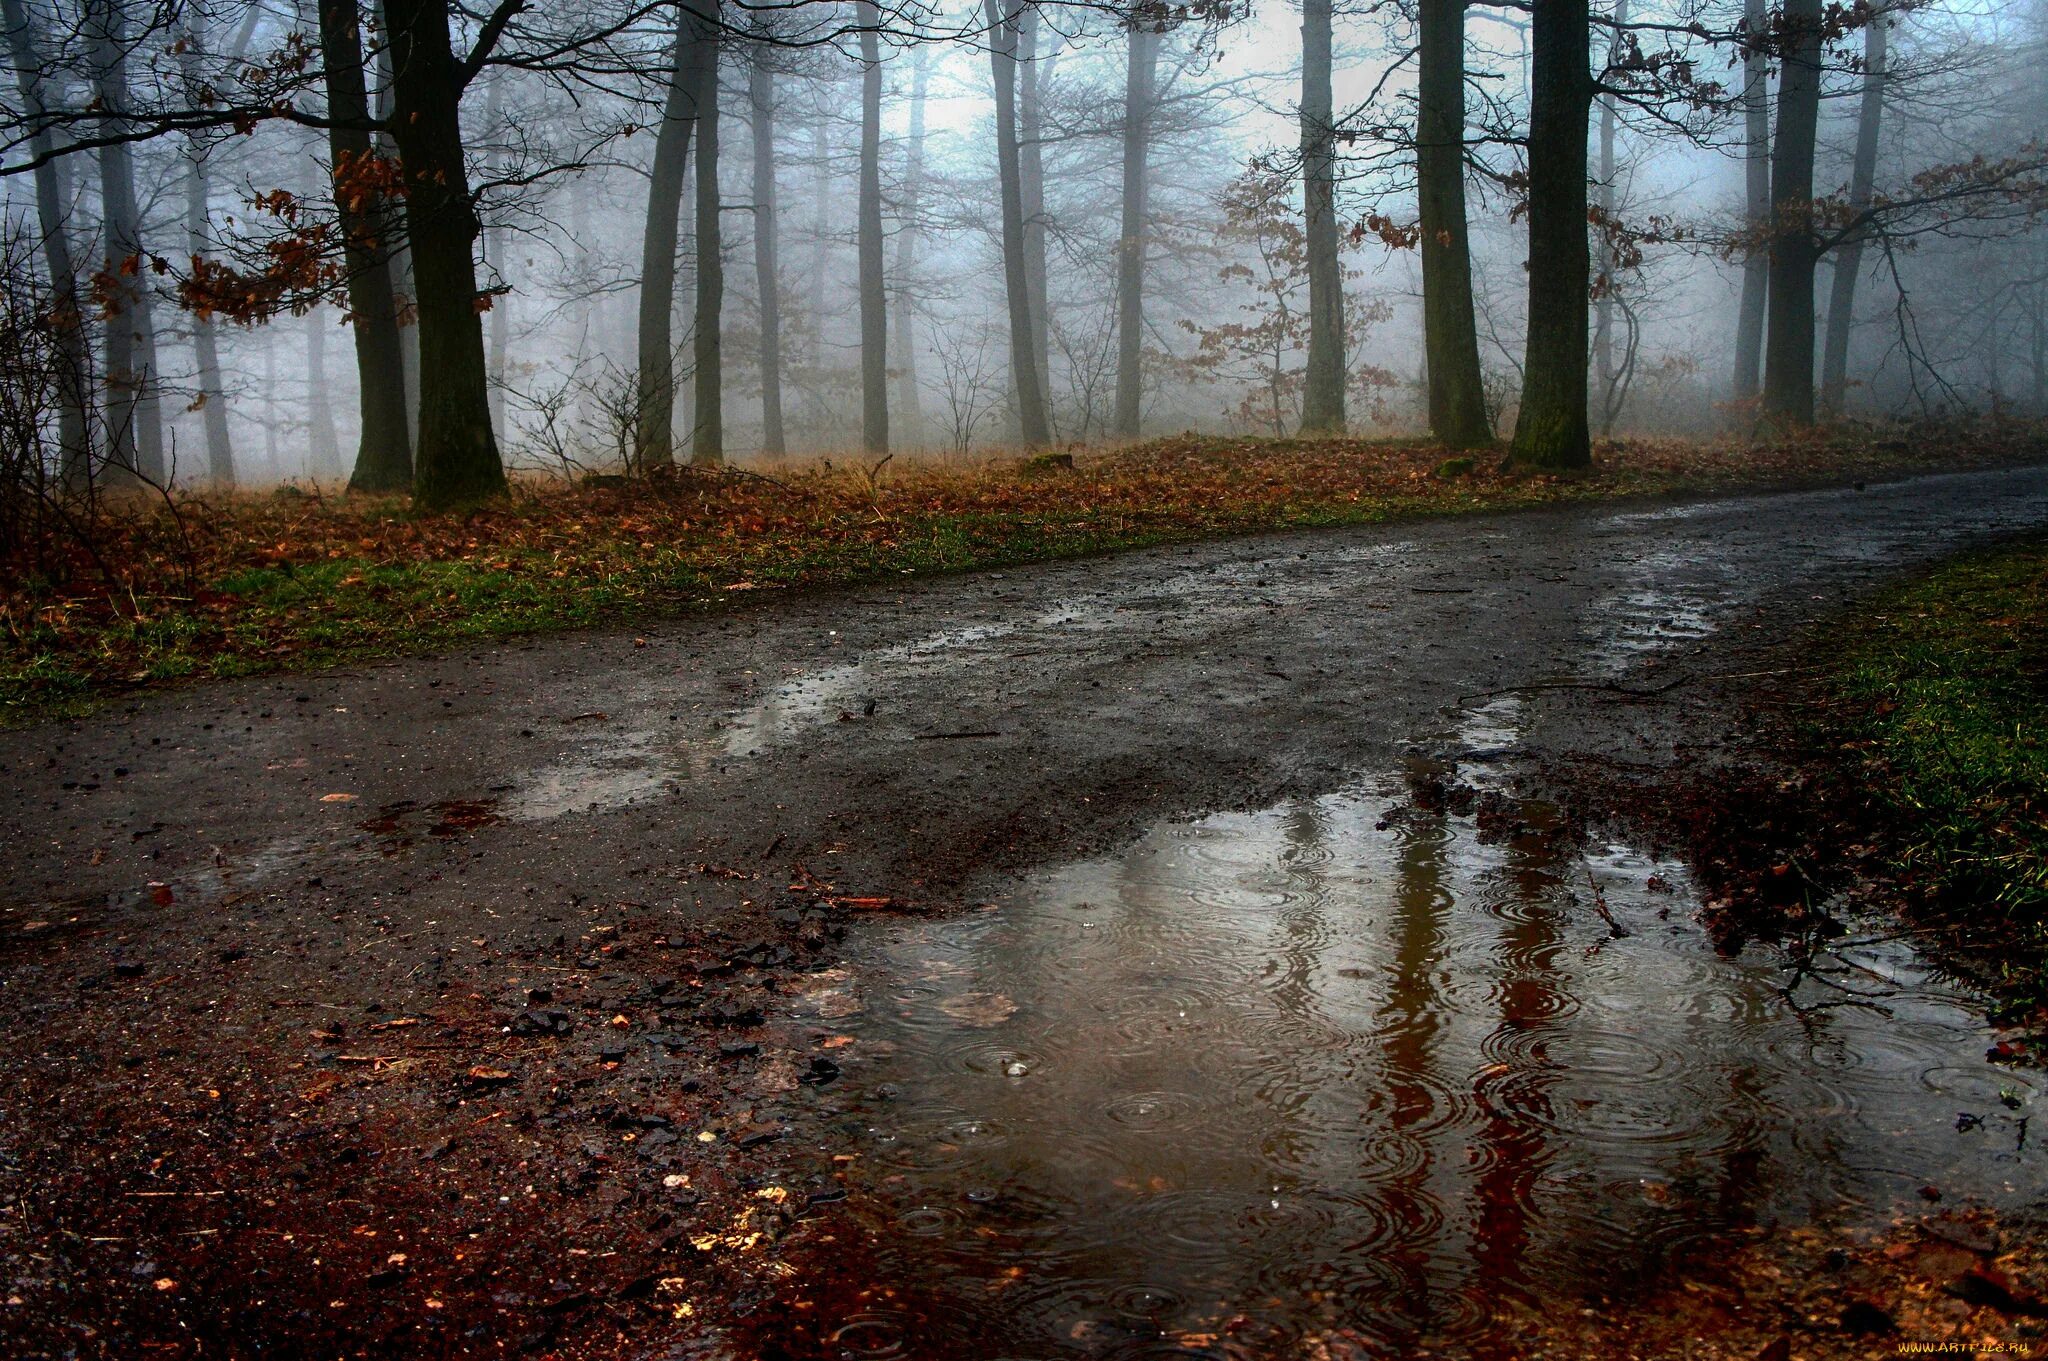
x=1346, y=1071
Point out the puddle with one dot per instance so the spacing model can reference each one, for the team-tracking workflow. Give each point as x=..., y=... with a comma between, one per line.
x=1352, y=1069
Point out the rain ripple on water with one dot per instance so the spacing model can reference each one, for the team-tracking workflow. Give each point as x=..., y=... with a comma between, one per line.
x=1319, y=1070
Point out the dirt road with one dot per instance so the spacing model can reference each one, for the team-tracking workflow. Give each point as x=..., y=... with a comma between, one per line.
x=416, y=1005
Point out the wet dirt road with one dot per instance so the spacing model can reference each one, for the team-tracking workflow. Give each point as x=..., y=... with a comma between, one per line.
x=513, y=843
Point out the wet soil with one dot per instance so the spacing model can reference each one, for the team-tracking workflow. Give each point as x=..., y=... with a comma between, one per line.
x=517, y=1000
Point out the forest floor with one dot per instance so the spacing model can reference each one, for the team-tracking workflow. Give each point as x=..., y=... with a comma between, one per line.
x=512, y=999
x=240, y=584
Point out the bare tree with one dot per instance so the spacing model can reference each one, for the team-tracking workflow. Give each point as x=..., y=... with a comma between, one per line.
x=211, y=396
x=1834, y=367
x=135, y=426
x=1140, y=76
x=1026, y=380
x=707, y=438
x=73, y=365
x=1756, y=165
x=655, y=446
x=1322, y=407
x=874, y=294
x=457, y=460
x=909, y=403
x=1788, y=342
x=384, y=454
x=767, y=276
x=1034, y=73
x=1551, y=427
x=1457, y=395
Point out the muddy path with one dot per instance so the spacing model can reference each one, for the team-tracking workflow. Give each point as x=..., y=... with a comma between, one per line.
x=548, y=992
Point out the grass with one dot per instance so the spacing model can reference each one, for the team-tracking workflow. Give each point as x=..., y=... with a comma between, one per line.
x=1946, y=692
x=239, y=584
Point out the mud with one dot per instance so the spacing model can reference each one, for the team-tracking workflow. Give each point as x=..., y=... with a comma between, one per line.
x=483, y=1002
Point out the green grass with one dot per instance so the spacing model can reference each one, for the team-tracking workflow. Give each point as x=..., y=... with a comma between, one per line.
x=1946, y=697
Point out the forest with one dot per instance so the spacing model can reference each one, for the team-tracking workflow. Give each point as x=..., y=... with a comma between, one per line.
x=924, y=680
x=417, y=251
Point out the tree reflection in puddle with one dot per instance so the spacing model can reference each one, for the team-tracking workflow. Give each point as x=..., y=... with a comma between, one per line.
x=1350, y=1070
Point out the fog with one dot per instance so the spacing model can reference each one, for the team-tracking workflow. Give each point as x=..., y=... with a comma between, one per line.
x=232, y=168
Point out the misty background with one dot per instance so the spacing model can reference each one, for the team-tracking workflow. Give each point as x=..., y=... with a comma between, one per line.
x=560, y=143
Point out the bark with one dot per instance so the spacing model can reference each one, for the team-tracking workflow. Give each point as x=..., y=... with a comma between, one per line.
x=1788, y=338
x=707, y=434
x=74, y=376
x=767, y=278
x=457, y=459
x=384, y=455
x=1756, y=265
x=1322, y=399
x=323, y=446
x=656, y=396
x=1457, y=397
x=1140, y=76
x=909, y=401
x=1603, y=306
x=403, y=293
x=1834, y=366
x=211, y=398
x=1551, y=429
x=1025, y=377
x=874, y=298
x=135, y=425
x=1031, y=178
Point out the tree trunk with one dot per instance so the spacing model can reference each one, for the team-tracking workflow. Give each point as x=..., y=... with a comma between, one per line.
x=767, y=278
x=1788, y=339
x=384, y=455
x=707, y=438
x=1322, y=398
x=404, y=295
x=821, y=240
x=1551, y=429
x=74, y=438
x=1604, y=281
x=654, y=446
x=135, y=427
x=210, y=398
x=1140, y=74
x=1756, y=264
x=457, y=462
x=874, y=298
x=1834, y=364
x=1026, y=380
x=1031, y=179
x=909, y=401
x=323, y=446
x=1457, y=397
